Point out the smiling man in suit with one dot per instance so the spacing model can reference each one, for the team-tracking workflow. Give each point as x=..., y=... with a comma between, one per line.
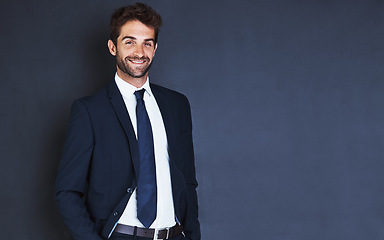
x=127, y=170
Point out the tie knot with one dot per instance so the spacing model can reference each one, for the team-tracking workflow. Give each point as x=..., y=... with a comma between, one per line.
x=139, y=94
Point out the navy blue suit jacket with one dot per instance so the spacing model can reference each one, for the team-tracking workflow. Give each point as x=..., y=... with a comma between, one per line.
x=97, y=173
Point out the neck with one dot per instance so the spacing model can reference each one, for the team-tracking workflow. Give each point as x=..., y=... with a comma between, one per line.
x=137, y=82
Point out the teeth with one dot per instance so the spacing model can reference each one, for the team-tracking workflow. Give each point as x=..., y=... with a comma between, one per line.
x=137, y=61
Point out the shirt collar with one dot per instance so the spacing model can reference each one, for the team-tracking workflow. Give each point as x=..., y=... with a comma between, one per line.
x=128, y=90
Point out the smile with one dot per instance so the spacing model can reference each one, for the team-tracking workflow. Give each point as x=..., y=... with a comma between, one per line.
x=137, y=62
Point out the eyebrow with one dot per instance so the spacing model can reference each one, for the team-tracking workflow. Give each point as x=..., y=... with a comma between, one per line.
x=133, y=38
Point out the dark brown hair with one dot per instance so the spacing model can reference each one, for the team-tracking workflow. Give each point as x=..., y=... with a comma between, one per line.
x=141, y=12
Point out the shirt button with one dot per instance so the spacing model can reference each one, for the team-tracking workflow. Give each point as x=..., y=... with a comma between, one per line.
x=129, y=190
x=115, y=214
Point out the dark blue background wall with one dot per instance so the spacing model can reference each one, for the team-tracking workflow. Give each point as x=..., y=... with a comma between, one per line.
x=287, y=103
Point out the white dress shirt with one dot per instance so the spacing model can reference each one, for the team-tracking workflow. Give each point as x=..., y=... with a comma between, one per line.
x=165, y=209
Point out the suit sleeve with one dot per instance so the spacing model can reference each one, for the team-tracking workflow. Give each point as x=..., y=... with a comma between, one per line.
x=191, y=225
x=71, y=180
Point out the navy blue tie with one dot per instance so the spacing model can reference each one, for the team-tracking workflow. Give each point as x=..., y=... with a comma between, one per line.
x=146, y=183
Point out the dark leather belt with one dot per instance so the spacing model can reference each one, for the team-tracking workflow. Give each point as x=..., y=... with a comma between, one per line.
x=150, y=233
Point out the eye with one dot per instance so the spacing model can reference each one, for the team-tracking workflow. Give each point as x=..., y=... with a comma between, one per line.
x=129, y=42
x=148, y=44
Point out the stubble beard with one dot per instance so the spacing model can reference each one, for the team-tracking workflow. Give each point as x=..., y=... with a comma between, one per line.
x=123, y=65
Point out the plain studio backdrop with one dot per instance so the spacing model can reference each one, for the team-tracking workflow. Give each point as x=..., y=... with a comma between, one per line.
x=287, y=102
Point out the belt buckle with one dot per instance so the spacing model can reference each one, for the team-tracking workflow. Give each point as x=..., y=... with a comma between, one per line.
x=156, y=234
x=167, y=229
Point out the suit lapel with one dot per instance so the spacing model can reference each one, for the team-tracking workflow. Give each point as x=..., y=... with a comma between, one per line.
x=167, y=115
x=121, y=111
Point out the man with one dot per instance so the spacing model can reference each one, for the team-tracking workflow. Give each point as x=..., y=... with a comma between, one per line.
x=127, y=170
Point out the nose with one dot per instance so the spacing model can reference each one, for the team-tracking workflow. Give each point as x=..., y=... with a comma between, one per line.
x=139, y=51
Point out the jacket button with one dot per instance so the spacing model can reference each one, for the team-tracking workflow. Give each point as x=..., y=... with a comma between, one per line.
x=129, y=190
x=115, y=214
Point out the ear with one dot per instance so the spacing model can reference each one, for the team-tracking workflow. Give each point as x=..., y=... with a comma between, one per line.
x=154, y=51
x=111, y=47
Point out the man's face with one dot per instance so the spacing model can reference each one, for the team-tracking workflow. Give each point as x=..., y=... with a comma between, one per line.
x=134, y=50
